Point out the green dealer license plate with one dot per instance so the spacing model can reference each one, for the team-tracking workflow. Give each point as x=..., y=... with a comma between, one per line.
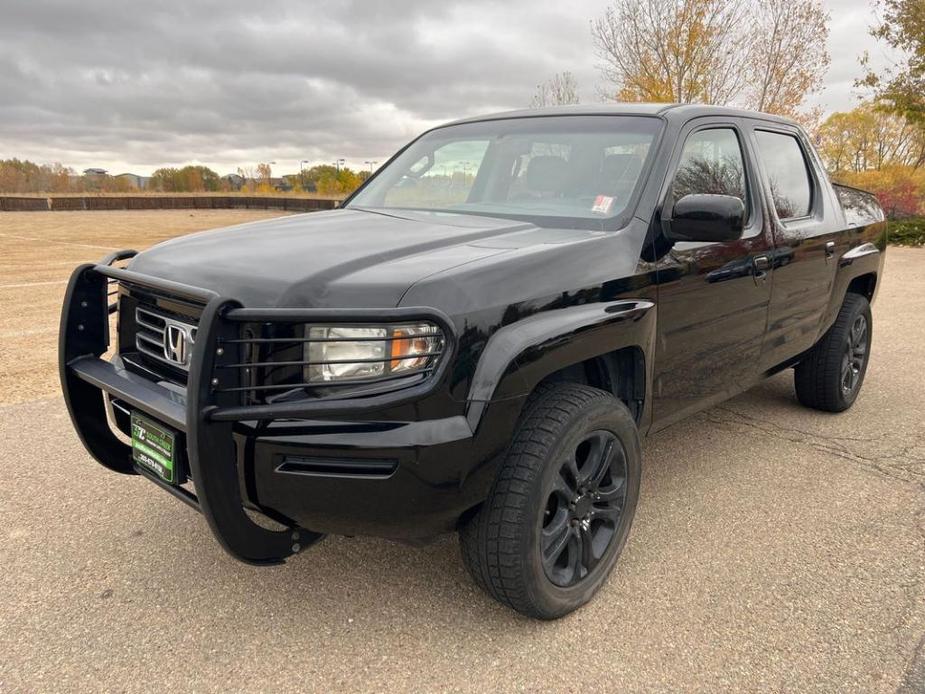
x=153, y=448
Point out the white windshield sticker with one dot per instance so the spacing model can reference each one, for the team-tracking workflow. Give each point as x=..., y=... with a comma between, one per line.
x=602, y=204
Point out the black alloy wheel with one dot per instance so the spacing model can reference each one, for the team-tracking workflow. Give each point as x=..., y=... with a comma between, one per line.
x=855, y=357
x=831, y=374
x=560, y=509
x=583, y=510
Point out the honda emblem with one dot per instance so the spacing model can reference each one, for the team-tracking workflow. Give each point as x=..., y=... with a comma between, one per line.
x=176, y=344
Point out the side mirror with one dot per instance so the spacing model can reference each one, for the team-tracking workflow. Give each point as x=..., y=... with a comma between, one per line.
x=706, y=218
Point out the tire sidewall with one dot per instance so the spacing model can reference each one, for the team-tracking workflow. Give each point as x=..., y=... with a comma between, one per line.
x=609, y=415
x=859, y=307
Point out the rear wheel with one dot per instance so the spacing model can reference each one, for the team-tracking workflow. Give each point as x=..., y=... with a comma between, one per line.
x=830, y=377
x=559, y=512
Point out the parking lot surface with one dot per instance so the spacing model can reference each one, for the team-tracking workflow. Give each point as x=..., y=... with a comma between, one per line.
x=774, y=548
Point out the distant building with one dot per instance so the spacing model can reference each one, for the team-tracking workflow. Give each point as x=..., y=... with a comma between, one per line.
x=95, y=172
x=134, y=180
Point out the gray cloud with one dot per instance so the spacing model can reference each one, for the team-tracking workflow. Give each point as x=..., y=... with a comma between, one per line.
x=137, y=85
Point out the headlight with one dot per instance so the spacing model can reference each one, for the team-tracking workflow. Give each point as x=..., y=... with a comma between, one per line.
x=336, y=353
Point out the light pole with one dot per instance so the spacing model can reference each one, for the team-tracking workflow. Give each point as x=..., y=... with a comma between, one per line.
x=370, y=164
x=302, y=172
x=337, y=163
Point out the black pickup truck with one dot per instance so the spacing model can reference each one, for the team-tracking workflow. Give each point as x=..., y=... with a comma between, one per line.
x=480, y=337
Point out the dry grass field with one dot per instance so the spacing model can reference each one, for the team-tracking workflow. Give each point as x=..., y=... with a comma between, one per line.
x=38, y=250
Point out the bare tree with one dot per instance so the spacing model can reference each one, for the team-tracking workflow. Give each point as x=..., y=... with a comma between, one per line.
x=787, y=58
x=763, y=54
x=672, y=50
x=558, y=90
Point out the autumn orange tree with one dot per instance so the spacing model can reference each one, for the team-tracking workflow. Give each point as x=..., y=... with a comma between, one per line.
x=873, y=148
x=264, y=178
x=333, y=181
x=22, y=176
x=189, y=179
x=762, y=54
x=870, y=137
x=672, y=50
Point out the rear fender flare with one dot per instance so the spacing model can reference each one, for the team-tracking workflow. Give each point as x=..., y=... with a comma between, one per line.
x=863, y=259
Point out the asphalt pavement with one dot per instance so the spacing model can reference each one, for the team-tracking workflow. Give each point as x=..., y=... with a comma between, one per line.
x=774, y=549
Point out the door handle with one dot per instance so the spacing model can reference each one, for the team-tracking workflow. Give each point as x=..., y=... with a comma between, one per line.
x=829, y=250
x=761, y=264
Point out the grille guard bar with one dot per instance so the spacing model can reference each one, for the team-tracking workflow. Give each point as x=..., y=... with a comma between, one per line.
x=209, y=416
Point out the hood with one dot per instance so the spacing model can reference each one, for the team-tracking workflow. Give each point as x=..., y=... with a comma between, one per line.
x=340, y=258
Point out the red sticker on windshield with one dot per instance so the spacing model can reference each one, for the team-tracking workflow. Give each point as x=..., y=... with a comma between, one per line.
x=602, y=204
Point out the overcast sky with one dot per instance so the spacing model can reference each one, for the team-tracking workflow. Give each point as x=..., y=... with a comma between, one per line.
x=134, y=85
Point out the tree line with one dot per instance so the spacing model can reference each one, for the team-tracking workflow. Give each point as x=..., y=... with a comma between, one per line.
x=876, y=149
x=25, y=177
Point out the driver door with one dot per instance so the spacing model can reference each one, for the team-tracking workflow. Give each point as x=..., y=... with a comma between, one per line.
x=712, y=297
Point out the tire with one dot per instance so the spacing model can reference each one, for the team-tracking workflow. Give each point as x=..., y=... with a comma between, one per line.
x=551, y=530
x=830, y=377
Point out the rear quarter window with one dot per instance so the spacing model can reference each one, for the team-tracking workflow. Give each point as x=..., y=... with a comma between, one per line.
x=861, y=208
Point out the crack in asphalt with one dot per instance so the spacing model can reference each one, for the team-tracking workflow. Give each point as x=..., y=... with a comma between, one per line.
x=886, y=464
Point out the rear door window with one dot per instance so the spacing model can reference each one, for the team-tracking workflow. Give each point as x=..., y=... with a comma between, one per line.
x=787, y=172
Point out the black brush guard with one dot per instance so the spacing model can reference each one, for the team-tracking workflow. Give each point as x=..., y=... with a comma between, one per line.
x=208, y=413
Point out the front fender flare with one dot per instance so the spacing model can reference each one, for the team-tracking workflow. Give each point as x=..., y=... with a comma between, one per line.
x=521, y=354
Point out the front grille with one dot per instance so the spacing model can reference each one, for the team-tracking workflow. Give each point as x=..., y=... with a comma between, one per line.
x=149, y=326
x=155, y=336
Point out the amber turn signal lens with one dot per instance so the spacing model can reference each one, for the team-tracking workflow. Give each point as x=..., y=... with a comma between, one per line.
x=405, y=347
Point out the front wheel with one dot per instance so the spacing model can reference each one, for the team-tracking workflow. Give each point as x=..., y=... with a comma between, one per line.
x=560, y=509
x=829, y=378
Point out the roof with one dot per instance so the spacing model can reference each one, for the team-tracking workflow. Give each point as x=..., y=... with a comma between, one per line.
x=670, y=111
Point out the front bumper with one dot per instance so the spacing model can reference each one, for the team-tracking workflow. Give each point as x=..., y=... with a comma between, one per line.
x=307, y=464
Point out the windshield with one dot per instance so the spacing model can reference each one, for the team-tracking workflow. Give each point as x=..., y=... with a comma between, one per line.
x=575, y=171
